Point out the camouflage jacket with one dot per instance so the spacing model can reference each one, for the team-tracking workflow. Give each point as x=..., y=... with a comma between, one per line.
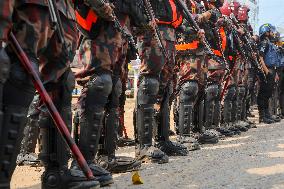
x=7, y=7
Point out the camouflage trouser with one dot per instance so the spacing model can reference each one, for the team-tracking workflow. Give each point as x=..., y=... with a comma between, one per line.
x=108, y=54
x=155, y=87
x=215, y=71
x=100, y=96
x=192, y=68
x=154, y=63
x=37, y=38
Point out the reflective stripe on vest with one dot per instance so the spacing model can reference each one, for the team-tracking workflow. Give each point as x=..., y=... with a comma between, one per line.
x=176, y=21
x=86, y=23
x=224, y=42
x=188, y=46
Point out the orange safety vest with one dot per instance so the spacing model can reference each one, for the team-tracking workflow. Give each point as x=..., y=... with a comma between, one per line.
x=224, y=42
x=188, y=46
x=177, y=21
x=87, y=22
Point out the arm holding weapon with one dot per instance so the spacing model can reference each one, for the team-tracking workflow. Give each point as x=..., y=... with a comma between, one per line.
x=56, y=23
x=157, y=33
x=189, y=18
x=254, y=56
x=205, y=17
x=106, y=11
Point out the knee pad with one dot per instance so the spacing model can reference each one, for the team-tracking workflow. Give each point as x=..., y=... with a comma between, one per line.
x=98, y=89
x=148, y=91
x=189, y=91
x=212, y=92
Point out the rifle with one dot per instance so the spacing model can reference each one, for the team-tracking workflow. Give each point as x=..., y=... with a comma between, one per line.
x=227, y=80
x=189, y=18
x=119, y=28
x=254, y=54
x=151, y=16
x=60, y=125
x=56, y=23
x=240, y=47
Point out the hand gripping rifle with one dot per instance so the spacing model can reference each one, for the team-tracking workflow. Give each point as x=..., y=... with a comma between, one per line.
x=253, y=53
x=189, y=18
x=151, y=16
x=128, y=36
x=240, y=48
x=60, y=125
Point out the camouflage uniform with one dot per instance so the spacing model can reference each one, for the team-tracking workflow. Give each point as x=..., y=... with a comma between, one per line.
x=191, y=79
x=234, y=101
x=197, y=92
x=217, y=40
x=155, y=87
x=46, y=54
x=105, y=50
x=100, y=96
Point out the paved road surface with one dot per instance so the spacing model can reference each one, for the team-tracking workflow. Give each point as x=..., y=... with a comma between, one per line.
x=254, y=159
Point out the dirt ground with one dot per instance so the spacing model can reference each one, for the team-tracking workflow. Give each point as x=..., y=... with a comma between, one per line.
x=253, y=160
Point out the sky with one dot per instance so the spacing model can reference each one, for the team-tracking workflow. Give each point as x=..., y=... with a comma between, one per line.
x=271, y=11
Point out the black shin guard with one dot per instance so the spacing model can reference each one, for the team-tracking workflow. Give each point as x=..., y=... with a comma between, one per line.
x=93, y=103
x=163, y=118
x=14, y=120
x=18, y=92
x=27, y=154
x=146, y=98
x=111, y=121
x=163, y=139
x=109, y=135
x=144, y=122
x=228, y=104
x=240, y=100
x=31, y=135
x=187, y=97
x=211, y=95
x=234, y=109
x=4, y=74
